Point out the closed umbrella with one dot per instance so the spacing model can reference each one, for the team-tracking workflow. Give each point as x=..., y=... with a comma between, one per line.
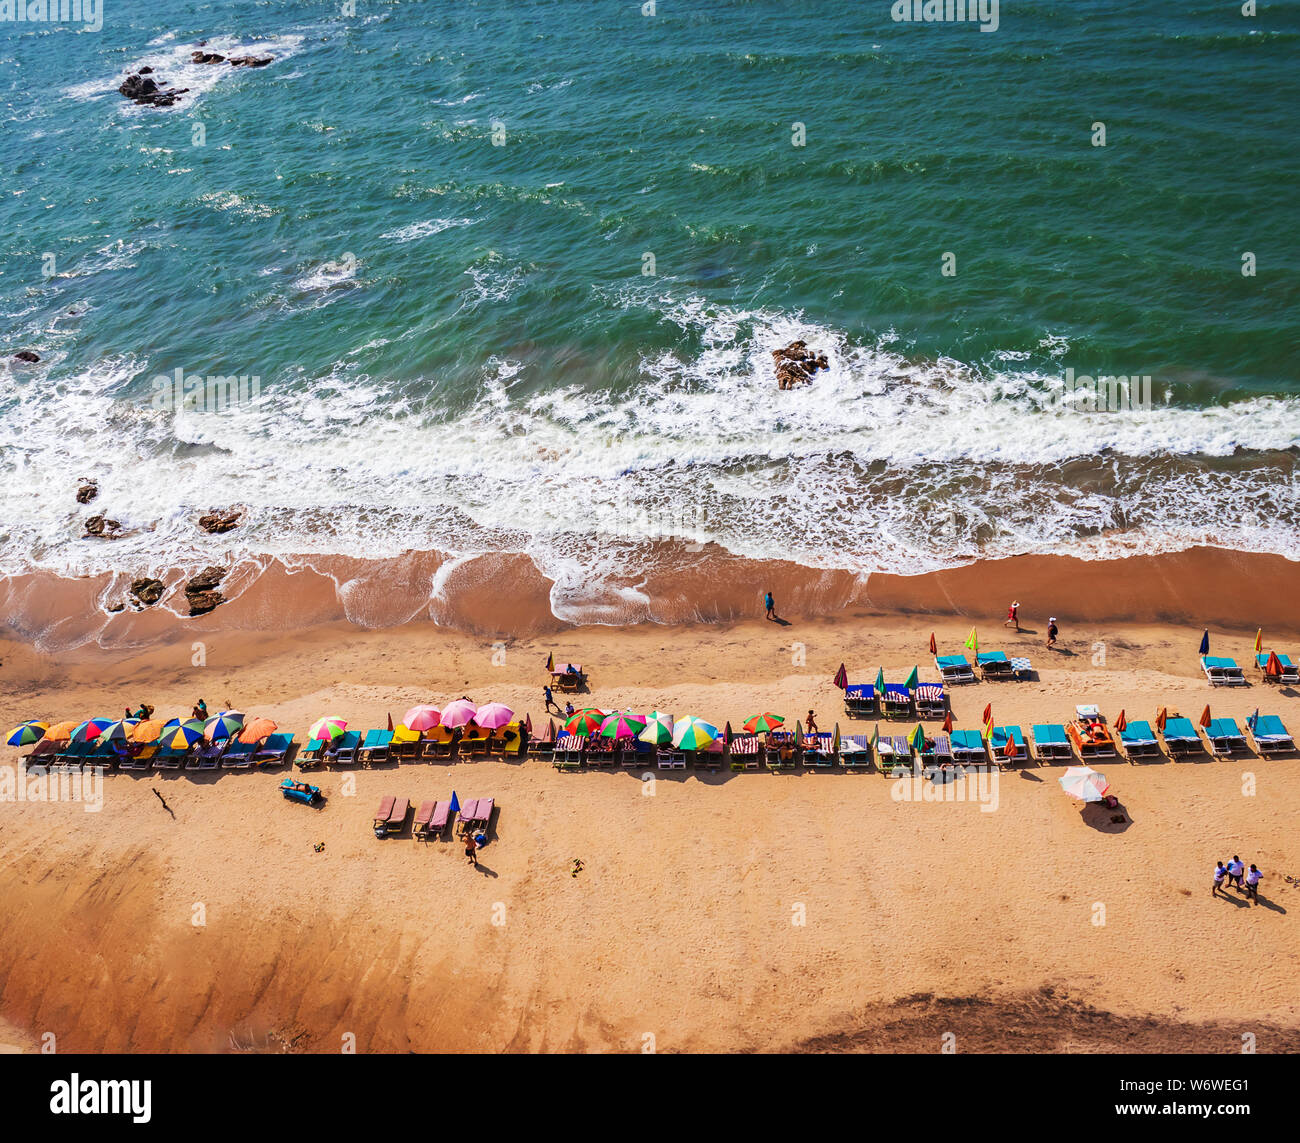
x=224, y=725
x=494, y=715
x=257, y=730
x=327, y=729
x=626, y=725
x=1084, y=782
x=422, y=717
x=25, y=733
x=458, y=713
x=691, y=733
x=658, y=728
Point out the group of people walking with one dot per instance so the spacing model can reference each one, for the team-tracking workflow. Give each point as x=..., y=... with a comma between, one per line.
x=1235, y=872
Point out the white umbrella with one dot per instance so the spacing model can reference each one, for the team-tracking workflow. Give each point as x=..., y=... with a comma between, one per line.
x=1084, y=782
x=658, y=728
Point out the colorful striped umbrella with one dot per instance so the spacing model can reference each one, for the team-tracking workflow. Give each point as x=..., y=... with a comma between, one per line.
x=61, y=731
x=1084, y=782
x=422, y=717
x=458, y=713
x=658, y=728
x=25, y=733
x=625, y=725
x=691, y=733
x=328, y=728
x=91, y=729
x=224, y=725
x=150, y=730
x=185, y=735
x=494, y=715
x=257, y=730
x=119, y=731
x=764, y=723
x=916, y=740
x=585, y=721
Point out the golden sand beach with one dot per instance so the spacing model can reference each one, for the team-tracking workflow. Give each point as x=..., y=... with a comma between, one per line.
x=714, y=912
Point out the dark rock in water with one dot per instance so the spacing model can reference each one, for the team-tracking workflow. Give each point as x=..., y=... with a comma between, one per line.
x=221, y=520
x=87, y=492
x=141, y=89
x=147, y=591
x=206, y=58
x=102, y=527
x=117, y=605
x=145, y=71
x=796, y=364
x=27, y=355
x=201, y=593
x=250, y=61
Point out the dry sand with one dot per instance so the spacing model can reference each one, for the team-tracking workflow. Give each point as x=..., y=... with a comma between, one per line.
x=920, y=918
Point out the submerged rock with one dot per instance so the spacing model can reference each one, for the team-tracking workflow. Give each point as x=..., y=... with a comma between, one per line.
x=201, y=593
x=796, y=364
x=250, y=61
x=88, y=491
x=221, y=520
x=27, y=355
x=102, y=527
x=206, y=58
x=147, y=591
x=144, y=90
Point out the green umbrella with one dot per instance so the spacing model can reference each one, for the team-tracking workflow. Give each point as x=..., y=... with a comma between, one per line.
x=587, y=721
x=880, y=681
x=224, y=725
x=691, y=733
x=764, y=723
x=25, y=733
x=625, y=725
x=185, y=735
x=658, y=728
x=327, y=729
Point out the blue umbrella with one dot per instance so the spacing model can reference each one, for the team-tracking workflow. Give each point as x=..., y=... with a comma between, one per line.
x=1205, y=642
x=1253, y=720
x=455, y=803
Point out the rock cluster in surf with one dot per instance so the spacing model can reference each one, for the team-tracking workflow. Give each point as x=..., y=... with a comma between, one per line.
x=201, y=590
x=141, y=88
x=796, y=364
x=221, y=520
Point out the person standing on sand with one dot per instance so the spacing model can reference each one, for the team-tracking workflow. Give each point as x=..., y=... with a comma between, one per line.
x=1235, y=870
x=1219, y=874
x=1252, y=883
x=770, y=604
x=471, y=849
x=812, y=723
x=200, y=710
x=1013, y=616
x=1051, y=632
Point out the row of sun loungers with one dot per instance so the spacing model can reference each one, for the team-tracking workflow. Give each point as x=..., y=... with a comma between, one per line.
x=432, y=818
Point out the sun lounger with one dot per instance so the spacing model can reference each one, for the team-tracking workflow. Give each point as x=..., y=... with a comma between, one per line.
x=670, y=758
x=41, y=753
x=1271, y=736
x=1289, y=674
x=744, y=752
x=391, y=816
x=1090, y=734
x=896, y=701
x=476, y=813
x=1225, y=738
x=779, y=750
x=1222, y=672
x=140, y=758
x=994, y=664
x=72, y=755
x=170, y=758
x=312, y=753
x=509, y=739
x=860, y=700
x=936, y=751
x=1050, y=742
x=711, y=757
x=568, y=751
x=1139, y=740
x=207, y=756
x=893, y=754
x=817, y=750
x=441, y=816
x=1021, y=668
x=954, y=668
x=439, y=743
x=347, y=747
x=300, y=792
x=638, y=755
x=420, y=823
x=600, y=751
x=406, y=743
x=375, y=746
x=1180, y=736
x=274, y=751
x=998, y=745
x=968, y=747
x=238, y=756
x=930, y=702
x=855, y=752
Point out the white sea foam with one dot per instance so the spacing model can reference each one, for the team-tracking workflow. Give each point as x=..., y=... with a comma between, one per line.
x=424, y=229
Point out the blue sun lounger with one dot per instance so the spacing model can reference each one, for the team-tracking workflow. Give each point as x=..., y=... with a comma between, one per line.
x=1222, y=672
x=893, y=754
x=1225, y=737
x=998, y=743
x=273, y=751
x=930, y=702
x=855, y=751
x=994, y=664
x=860, y=700
x=936, y=751
x=1270, y=736
x=375, y=746
x=1050, y=741
x=968, y=746
x=1181, y=737
x=954, y=668
x=348, y=744
x=1139, y=740
x=1290, y=672
x=238, y=755
x=897, y=700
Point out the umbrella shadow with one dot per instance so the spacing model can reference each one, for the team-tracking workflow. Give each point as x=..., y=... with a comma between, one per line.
x=1099, y=816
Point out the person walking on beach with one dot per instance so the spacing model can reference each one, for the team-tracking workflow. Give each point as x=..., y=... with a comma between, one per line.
x=1235, y=870
x=550, y=700
x=1219, y=874
x=812, y=723
x=770, y=604
x=1013, y=615
x=1051, y=632
x=1252, y=883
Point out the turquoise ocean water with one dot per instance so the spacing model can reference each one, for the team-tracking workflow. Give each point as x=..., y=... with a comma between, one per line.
x=424, y=230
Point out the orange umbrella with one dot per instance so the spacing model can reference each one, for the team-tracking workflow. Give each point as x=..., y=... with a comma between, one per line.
x=1162, y=718
x=257, y=730
x=934, y=647
x=1010, y=748
x=1205, y=716
x=947, y=723
x=1121, y=723
x=1274, y=664
x=150, y=730
x=62, y=732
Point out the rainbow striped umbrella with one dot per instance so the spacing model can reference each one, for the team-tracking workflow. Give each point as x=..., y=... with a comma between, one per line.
x=25, y=733
x=764, y=723
x=422, y=718
x=625, y=725
x=91, y=729
x=691, y=733
x=587, y=721
x=224, y=725
x=658, y=728
x=118, y=731
x=328, y=728
x=184, y=735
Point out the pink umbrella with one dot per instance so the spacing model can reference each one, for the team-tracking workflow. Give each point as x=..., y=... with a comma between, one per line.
x=422, y=718
x=494, y=715
x=458, y=713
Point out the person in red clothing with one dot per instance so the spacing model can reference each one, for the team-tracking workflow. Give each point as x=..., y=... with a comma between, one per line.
x=1013, y=616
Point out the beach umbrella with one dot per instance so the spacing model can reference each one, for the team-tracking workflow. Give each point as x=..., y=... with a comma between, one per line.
x=1253, y=721
x=91, y=729
x=1259, y=641
x=458, y=713
x=934, y=647
x=224, y=725
x=1084, y=782
x=1274, y=664
x=149, y=730
x=841, y=678
x=1205, y=716
x=1205, y=642
x=550, y=662
x=1121, y=723
x=835, y=740
x=988, y=721
x=764, y=723
x=947, y=723
x=257, y=730
x=1009, y=749
x=422, y=717
x=587, y=721
x=455, y=803
x=185, y=735
x=627, y=725
x=691, y=733
x=1162, y=716
x=494, y=715
x=880, y=681
x=327, y=729
x=973, y=641
x=61, y=731
x=916, y=740
x=119, y=731
x=658, y=728
x=528, y=725
x=25, y=733
x=875, y=737
x=913, y=679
